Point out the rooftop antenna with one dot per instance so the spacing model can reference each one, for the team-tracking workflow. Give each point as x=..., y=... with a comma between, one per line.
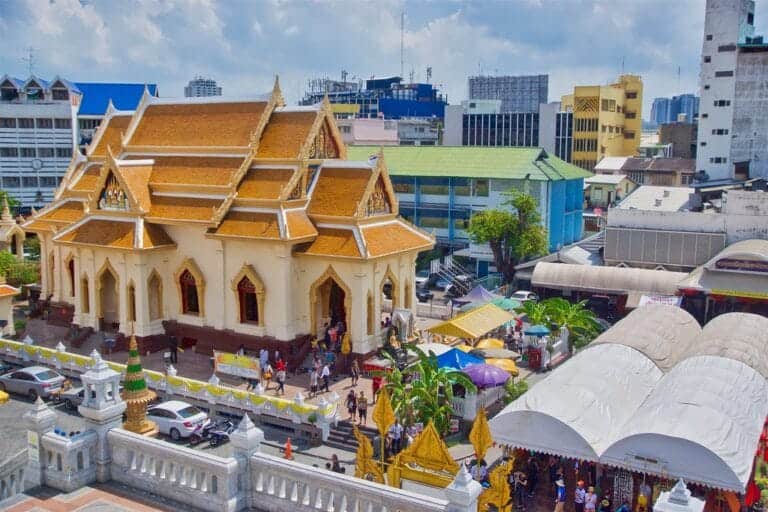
x=429, y=73
x=410, y=76
x=30, y=58
x=622, y=64
x=344, y=75
x=402, y=43
x=678, y=79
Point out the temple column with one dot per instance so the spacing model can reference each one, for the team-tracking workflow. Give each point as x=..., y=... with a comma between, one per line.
x=141, y=297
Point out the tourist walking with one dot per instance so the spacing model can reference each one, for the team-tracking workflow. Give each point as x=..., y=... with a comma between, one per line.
x=351, y=404
x=355, y=371
x=263, y=358
x=266, y=375
x=579, y=496
x=521, y=486
x=590, y=500
x=313, y=382
x=326, y=375
x=173, y=346
x=396, y=431
x=560, y=499
x=362, y=408
x=281, y=376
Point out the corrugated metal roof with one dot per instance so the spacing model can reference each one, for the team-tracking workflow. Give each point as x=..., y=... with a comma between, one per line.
x=474, y=162
x=96, y=96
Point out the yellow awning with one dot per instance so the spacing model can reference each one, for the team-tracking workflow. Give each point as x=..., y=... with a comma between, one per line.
x=345, y=108
x=474, y=323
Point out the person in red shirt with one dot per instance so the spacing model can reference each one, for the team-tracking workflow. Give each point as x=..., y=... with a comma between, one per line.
x=375, y=384
x=280, y=365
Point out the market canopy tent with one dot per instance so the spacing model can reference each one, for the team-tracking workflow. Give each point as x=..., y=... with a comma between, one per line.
x=457, y=359
x=475, y=323
x=504, y=303
x=695, y=412
x=478, y=294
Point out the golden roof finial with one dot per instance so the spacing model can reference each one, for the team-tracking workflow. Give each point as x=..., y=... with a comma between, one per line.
x=277, y=93
x=6, y=215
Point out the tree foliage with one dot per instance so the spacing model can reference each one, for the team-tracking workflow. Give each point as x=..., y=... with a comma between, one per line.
x=557, y=313
x=422, y=391
x=514, y=389
x=513, y=234
x=6, y=262
x=13, y=203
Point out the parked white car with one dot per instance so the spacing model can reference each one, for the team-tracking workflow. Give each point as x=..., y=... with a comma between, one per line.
x=524, y=295
x=176, y=418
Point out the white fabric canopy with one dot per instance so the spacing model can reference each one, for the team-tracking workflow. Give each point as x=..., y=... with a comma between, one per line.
x=613, y=402
x=436, y=348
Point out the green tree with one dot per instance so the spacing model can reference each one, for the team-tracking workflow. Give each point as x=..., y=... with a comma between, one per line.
x=422, y=391
x=514, y=389
x=514, y=235
x=6, y=262
x=13, y=203
x=536, y=312
x=32, y=246
x=579, y=320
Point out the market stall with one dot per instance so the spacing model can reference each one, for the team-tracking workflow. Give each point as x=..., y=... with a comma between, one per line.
x=475, y=323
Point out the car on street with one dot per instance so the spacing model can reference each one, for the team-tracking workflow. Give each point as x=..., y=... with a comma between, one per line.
x=32, y=381
x=424, y=295
x=423, y=279
x=74, y=397
x=177, y=419
x=524, y=295
x=441, y=284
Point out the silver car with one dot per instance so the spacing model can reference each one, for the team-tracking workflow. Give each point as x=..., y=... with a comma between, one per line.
x=32, y=381
x=74, y=397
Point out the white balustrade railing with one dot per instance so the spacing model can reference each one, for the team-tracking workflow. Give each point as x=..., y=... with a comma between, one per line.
x=12, y=475
x=466, y=407
x=279, y=485
x=296, y=411
x=69, y=461
x=188, y=476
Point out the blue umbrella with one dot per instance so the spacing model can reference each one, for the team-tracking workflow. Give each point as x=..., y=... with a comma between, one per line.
x=537, y=330
x=457, y=359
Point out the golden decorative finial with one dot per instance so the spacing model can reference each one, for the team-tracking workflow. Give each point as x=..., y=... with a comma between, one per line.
x=6, y=216
x=277, y=93
x=136, y=394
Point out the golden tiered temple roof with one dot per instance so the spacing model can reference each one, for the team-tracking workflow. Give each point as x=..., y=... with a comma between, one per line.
x=242, y=169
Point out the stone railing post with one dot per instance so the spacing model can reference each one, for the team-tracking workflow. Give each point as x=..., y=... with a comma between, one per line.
x=39, y=421
x=463, y=492
x=246, y=441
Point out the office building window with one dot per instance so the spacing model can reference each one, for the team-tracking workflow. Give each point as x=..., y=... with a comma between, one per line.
x=63, y=124
x=433, y=222
x=27, y=152
x=48, y=181
x=11, y=182
x=707, y=58
x=718, y=160
x=703, y=143
x=629, y=135
x=26, y=123
x=7, y=122
x=630, y=115
x=403, y=185
x=632, y=95
x=706, y=87
x=722, y=103
x=720, y=131
x=9, y=152
x=29, y=181
x=480, y=188
x=45, y=152
x=436, y=187
x=723, y=74
x=64, y=152
x=44, y=124
x=727, y=48
x=709, y=37
x=89, y=124
x=750, y=18
x=704, y=116
x=461, y=187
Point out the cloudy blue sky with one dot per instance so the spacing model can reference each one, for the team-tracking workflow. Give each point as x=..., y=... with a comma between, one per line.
x=244, y=43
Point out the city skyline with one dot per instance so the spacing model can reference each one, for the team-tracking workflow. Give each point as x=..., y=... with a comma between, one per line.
x=243, y=45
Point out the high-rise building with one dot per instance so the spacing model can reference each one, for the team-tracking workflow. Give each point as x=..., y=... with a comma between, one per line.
x=517, y=93
x=733, y=127
x=683, y=108
x=37, y=136
x=201, y=86
x=606, y=120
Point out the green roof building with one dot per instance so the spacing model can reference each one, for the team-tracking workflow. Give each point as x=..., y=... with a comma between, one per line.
x=440, y=187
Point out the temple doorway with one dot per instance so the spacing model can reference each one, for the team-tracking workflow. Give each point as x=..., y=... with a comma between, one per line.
x=330, y=304
x=109, y=302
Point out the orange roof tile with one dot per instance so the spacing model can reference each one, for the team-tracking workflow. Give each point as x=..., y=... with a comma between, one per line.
x=8, y=290
x=194, y=170
x=338, y=191
x=299, y=225
x=155, y=236
x=69, y=211
x=393, y=238
x=198, y=124
x=264, y=183
x=183, y=208
x=112, y=134
x=285, y=134
x=104, y=233
x=88, y=180
x=334, y=242
x=39, y=225
x=250, y=225
x=136, y=178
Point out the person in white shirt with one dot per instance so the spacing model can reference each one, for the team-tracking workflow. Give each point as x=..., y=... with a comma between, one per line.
x=396, y=431
x=326, y=375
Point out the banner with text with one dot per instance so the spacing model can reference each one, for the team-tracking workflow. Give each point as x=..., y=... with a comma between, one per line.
x=233, y=364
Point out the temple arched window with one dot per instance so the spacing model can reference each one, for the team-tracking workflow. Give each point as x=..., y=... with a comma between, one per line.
x=249, y=301
x=71, y=275
x=190, y=304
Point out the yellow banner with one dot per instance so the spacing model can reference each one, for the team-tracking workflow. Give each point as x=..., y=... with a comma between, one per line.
x=735, y=293
x=233, y=364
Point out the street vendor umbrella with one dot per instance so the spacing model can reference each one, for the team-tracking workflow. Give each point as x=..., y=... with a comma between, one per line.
x=537, y=330
x=456, y=359
x=490, y=343
x=496, y=353
x=507, y=365
x=436, y=348
x=485, y=375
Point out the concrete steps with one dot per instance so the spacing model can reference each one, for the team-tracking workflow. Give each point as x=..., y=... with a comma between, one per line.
x=342, y=437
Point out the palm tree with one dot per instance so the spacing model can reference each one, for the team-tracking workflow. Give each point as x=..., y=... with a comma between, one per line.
x=422, y=391
x=579, y=320
x=537, y=312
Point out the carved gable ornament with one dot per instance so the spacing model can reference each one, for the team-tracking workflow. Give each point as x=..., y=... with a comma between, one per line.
x=324, y=145
x=112, y=196
x=378, y=201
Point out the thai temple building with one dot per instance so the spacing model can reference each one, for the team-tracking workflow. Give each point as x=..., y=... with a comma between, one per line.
x=225, y=223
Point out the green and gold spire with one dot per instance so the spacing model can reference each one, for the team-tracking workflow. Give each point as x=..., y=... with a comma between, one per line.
x=136, y=394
